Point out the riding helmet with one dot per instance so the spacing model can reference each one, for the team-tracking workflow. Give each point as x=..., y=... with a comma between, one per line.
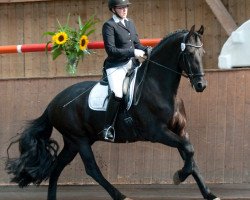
x=114, y=3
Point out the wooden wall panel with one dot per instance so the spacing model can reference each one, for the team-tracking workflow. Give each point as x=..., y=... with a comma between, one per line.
x=218, y=118
x=230, y=130
x=25, y=22
x=221, y=127
x=218, y=124
x=20, y=1
x=246, y=135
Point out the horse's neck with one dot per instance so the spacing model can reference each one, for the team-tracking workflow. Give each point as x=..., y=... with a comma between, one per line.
x=163, y=78
x=167, y=76
x=166, y=87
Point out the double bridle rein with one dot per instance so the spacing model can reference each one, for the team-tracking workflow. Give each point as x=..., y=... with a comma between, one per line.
x=189, y=75
x=182, y=54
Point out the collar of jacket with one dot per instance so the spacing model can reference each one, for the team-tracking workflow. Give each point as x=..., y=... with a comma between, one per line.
x=117, y=19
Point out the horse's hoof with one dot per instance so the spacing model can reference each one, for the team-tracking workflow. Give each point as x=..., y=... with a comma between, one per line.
x=211, y=196
x=176, y=178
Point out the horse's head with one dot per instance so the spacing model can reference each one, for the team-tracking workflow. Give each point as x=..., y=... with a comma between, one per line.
x=191, y=58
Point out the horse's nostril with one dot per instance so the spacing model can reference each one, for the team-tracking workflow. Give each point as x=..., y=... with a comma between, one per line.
x=200, y=87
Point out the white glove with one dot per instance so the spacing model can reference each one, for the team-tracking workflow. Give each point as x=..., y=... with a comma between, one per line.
x=139, y=54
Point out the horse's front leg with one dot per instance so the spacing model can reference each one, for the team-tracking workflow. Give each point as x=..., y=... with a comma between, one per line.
x=169, y=138
x=205, y=191
x=189, y=165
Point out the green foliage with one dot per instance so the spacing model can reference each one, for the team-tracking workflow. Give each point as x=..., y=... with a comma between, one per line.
x=71, y=42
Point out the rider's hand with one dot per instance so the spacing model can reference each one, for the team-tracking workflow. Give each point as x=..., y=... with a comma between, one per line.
x=140, y=55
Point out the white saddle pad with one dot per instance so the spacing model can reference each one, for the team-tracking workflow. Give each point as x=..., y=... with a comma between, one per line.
x=98, y=99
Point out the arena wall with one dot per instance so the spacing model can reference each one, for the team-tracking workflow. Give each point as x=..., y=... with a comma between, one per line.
x=218, y=124
x=24, y=22
x=218, y=119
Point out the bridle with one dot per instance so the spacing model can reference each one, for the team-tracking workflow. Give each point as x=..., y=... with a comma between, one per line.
x=182, y=55
x=185, y=59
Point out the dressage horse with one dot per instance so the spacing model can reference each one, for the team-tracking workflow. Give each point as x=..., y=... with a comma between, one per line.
x=157, y=116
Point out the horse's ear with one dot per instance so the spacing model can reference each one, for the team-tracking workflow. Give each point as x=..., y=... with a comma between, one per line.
x=191, y=31
x=201, y=30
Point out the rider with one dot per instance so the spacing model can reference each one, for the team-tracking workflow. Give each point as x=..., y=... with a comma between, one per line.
x=121, y=44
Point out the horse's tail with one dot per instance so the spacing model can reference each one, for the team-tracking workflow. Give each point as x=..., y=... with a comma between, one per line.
x=38, y=153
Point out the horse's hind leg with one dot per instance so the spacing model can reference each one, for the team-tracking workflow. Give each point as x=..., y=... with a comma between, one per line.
x=93, y=170
x=205, y=191
x=67, y=154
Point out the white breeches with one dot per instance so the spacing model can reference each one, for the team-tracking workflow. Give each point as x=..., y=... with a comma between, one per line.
x=116, y=77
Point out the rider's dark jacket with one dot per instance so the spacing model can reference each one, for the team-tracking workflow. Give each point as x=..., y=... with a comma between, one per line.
x=120, y=42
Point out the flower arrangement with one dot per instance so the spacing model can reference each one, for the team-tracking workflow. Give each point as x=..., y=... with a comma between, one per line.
x=71, y=42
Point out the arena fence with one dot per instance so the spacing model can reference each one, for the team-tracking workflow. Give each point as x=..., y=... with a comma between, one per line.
x=42, y=47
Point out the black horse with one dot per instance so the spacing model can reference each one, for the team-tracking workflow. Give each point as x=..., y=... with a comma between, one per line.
x=158, y=116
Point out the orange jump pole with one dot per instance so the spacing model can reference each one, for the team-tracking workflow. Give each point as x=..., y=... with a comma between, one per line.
x=42, y=47
x=8, y=49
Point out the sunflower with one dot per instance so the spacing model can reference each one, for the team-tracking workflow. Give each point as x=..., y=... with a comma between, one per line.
x=54, y=39
x=84, y=42
x=60, y=38
x=71, y=42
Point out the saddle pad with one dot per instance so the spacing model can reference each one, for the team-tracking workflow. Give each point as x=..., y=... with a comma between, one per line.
x=98, y=97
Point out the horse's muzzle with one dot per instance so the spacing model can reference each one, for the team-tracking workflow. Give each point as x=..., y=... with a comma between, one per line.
x=199, y=84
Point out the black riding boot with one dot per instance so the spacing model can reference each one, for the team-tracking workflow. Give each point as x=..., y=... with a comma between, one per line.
x=111, y=113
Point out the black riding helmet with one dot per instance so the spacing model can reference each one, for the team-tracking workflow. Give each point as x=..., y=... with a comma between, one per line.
x=114, y=3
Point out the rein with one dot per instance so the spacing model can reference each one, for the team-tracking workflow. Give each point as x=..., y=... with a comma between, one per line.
x=183, y=48
x=138, y=92
x=163, y=66
x=189, y=75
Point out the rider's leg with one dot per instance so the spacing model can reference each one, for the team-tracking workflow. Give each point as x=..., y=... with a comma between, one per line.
x=111, y=113
x=115, y=78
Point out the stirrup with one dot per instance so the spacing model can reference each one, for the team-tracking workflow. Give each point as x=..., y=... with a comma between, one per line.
x=109, y=134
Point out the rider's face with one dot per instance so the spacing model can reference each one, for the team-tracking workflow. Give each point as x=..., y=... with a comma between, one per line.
x=122, y=11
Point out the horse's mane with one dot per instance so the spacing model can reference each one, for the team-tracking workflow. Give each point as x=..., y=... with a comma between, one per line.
x=171, y=35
